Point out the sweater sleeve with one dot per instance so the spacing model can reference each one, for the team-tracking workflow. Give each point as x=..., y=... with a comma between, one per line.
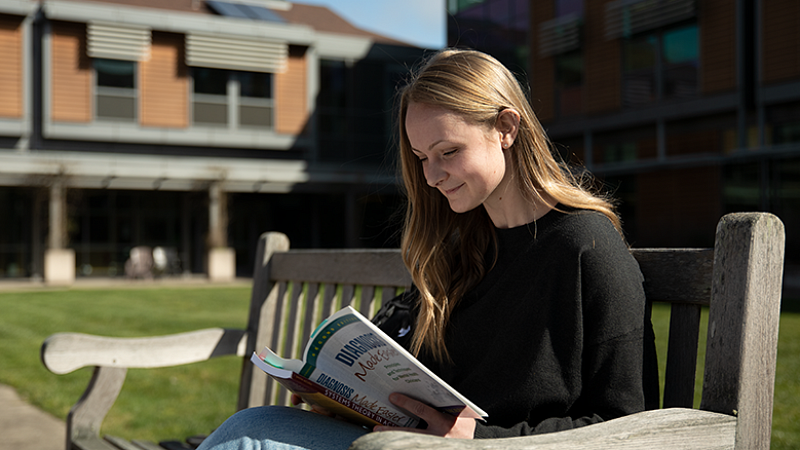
x=612, y=301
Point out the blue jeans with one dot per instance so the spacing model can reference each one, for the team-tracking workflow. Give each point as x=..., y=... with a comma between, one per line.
x=282, y=428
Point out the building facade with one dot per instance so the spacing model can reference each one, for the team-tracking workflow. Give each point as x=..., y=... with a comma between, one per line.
x=192, y=126
x=685, y=109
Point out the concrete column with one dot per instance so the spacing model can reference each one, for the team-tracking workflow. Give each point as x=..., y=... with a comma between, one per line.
x=221, y=258
x=59, y=262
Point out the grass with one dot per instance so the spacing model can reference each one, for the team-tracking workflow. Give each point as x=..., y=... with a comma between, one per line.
x=155, y=404
x=173, y=403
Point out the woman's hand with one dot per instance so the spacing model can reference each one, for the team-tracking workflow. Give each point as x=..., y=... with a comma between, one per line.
x=439, y=424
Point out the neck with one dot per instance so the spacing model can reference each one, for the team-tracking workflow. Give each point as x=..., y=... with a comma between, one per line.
x=511, y=209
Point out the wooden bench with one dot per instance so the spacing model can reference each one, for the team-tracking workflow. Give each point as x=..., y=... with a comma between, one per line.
x=739, y=280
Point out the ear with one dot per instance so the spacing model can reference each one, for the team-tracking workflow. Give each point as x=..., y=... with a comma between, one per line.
x=507, y=126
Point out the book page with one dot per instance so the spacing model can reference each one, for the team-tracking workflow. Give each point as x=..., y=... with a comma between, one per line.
x=353, y=358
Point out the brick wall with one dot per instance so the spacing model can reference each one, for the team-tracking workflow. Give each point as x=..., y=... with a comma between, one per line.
x=71, y=73
x=291, y=99
x=717, y=24
x=164, y=83
x=10, y=66
x=781, y=40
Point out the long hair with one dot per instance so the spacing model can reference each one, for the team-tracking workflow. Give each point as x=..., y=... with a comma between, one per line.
x=445, y=252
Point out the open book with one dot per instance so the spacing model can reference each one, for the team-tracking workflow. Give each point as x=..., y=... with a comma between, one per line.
x=350, y=367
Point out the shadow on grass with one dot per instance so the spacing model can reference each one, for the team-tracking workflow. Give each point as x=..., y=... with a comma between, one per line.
x=790, y=304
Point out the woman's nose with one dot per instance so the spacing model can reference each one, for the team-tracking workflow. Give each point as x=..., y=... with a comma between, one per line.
x=434, y=174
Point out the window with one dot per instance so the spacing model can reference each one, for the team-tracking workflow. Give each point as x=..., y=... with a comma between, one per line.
x=660, y=65
x=569, y=83
x=566, y=7
x=497, y=27
x=210, y=105
x=255, y=102
x=231, y=98
x=115, y=90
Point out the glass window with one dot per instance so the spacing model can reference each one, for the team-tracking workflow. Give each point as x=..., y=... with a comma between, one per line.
x=566, y=7
x=210, y=101
x=255, y=99
x=215, y=90
x=210, y=81
x=680, y=55
x=115, y=73
x=784, y=123
x=255, y=84
x=625, y=145
x=660, y=65
x=115, y=91
x=639, y=57
x=497, y=27
x=569, y=83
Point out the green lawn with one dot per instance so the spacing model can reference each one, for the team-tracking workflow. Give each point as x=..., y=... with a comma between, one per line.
x=178, y=402
x=155, y=404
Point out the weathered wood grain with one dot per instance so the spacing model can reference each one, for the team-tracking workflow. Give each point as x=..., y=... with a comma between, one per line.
x=684, y=330
x=253, y=386
x=294, y=290
x=676, y=275
x=741, y=350
x=67, y=352
x=358, y=267
x=675, y=428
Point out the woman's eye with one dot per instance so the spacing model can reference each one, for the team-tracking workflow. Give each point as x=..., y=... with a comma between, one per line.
x=450, y=152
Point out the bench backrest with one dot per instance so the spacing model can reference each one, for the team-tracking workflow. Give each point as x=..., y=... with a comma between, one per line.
x=739, y=280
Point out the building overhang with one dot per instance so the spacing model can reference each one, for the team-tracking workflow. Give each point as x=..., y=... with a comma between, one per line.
x=83, y=170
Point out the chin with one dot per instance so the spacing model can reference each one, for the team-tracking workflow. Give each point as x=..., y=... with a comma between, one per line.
x=460, y=209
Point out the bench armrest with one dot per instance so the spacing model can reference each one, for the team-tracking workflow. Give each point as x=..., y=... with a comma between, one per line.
x=657, y=429
x=66, y=352
x=112, y=357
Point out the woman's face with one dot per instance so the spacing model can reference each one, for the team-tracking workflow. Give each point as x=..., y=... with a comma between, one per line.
x=465, y=162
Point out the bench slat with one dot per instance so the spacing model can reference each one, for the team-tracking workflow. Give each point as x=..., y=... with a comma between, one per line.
x=364, y=267
x=367, y=301
x=92, y=443
x=659, y=429
x=146, y=445
x=684, y=325
x=676, y=275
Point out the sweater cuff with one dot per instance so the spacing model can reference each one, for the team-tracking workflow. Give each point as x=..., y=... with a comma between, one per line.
x=481, y=430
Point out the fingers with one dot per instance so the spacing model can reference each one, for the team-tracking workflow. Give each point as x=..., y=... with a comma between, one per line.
x=415, y=407
x=296, y=400
x=322, y=411
x=439, y=424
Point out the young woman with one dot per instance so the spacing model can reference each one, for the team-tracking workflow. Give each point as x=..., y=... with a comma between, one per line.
x=528, y=300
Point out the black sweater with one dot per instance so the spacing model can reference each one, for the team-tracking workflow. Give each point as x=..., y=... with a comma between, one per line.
x=551, y=338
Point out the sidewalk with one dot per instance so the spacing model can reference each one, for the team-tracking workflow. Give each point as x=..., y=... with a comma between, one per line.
x=25, y=427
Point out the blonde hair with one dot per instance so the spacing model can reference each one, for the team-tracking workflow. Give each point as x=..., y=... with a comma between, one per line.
x=445, y=251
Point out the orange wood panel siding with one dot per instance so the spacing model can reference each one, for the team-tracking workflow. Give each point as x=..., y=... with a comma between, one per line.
x=10, y=66
x=291, y=104
x=781, y=45
x=71, y=73
x=717, y=24
x=664, y=217
x=542, y=71
x=602, y=63
x=164, y=83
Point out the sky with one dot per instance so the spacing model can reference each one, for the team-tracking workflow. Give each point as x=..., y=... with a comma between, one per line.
x=418, y=22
